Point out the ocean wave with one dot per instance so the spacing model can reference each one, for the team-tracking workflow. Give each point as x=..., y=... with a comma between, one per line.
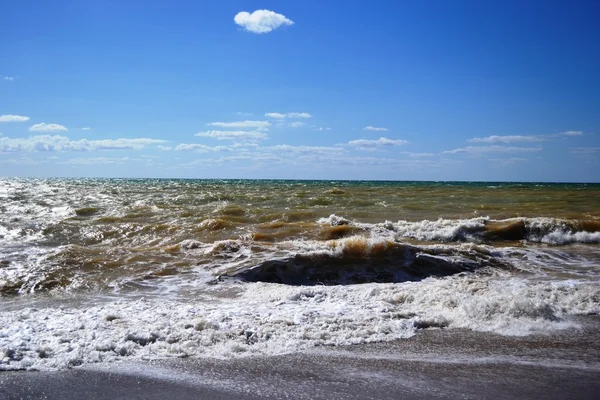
x=349, y=260
x=486, y=230
x=358, y=260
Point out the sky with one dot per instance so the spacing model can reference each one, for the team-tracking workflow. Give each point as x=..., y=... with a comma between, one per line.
x=385, y=90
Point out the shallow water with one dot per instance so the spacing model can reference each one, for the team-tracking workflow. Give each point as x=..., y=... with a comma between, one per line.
x=100, y=269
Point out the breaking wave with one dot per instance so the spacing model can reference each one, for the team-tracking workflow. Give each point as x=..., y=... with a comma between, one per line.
x=358, y=260
x=485, y=230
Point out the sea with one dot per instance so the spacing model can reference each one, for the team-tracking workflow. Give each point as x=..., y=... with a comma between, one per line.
x=102, y=270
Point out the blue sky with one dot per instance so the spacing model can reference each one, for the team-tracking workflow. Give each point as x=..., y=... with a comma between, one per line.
x=402, y=90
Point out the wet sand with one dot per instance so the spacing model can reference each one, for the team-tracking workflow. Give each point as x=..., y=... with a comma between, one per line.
x=436, y=363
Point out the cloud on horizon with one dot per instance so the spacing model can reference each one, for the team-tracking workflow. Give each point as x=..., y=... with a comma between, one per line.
x=479, y=150
x=96, y=161
x=522, y=138
x=507, y=139
x=63, y=143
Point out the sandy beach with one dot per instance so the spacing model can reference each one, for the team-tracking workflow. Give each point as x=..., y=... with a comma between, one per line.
x=436, y=363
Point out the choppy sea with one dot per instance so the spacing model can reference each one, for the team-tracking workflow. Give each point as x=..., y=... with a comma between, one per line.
x=99, y=270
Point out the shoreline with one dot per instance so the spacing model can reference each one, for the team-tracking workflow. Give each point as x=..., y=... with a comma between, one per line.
x=435, y=363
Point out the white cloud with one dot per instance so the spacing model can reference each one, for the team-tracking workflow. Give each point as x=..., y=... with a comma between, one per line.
x=522, y=138
x=13, y=118
x=243, y=114
x=572, y=133
x=375, y=129
x=474, y=150
x=87, y=128
x=43, y=127
x=379, y=161
x=296, y=124
x=62, y=143
x=382, y=141
x=200, y=148
x=506, y=139
x=298, y=115
x=232, y=135
x=323, y=128
x=258, y=125
x=508, y=161
x=288, y=115
x=164, y=148
x=20, y=161
x=96, y=161
x=304, y=156
x=9, y=78
x=306, y=149
x=120, y=144
x=261, y=21
x=417, y=155
x=585, y=151
x=275, y=115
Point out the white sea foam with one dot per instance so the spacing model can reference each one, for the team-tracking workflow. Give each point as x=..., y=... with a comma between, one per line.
x=560, y=236
x=273, y=319
x=440, y=230
x=538, y=230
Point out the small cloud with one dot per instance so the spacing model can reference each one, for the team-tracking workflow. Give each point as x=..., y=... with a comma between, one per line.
x=522, y=138
x=382, y=141
x=164, y=148
x=258, y=125
x=320, y=128
x=585, y=151
x=508, y=161
x=96, y=161
x=417, y=155
x=506, y=139
x=232, y=135
x=306, y=149
x=288, y=115
x=275, y=115
x=296, y=124
x=43, y=127
x=13, y=118
x=87, y=128
x=243, y=114
x=200, y=148
x=10, y=78
x=375, y=129
x=475, y=150
x=298, y=115
x=261, y=21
